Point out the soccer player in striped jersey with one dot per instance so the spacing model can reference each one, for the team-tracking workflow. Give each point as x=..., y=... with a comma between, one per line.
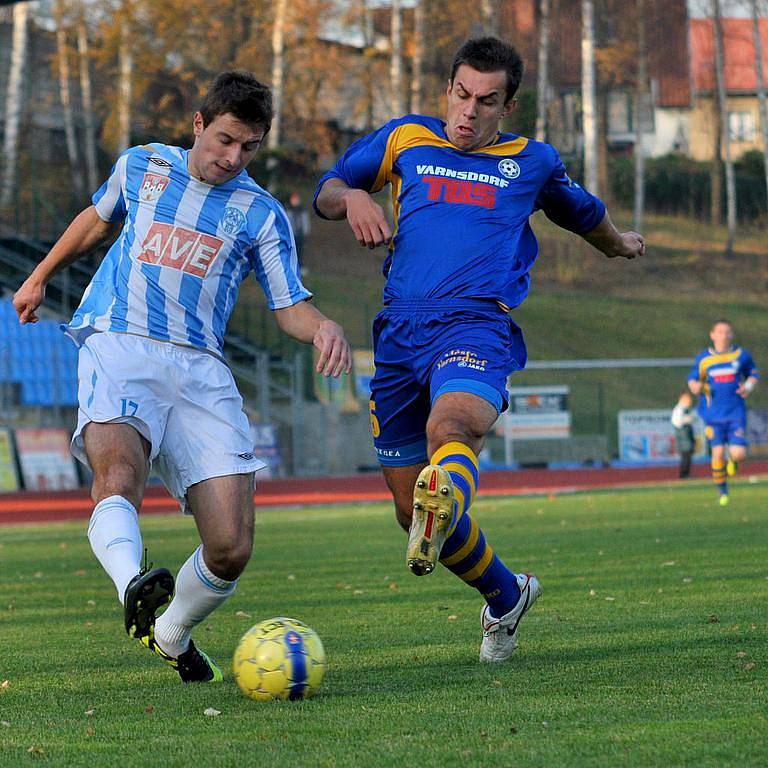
x=724, y=375
x=153, y=384
x=459, y=257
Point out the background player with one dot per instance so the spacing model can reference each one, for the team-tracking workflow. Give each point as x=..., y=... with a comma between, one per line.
x=444, y=344
x=724, y=376
x=153, y=386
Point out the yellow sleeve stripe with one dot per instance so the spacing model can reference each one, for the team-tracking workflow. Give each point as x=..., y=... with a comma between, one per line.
x=414, y=135
x=462, y=552
x=480, y=568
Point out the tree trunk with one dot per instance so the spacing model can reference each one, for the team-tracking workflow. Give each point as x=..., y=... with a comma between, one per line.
x=62, y=60
x=603, y=182
x=640, y=91
x=716, y=169
x=542, y=80
x=761, y=95
x=366, y=25
x=417, y=76
x=722, y=97
x=13, y=102
x=87, y=96
x=278, y=70
x=125, y=88
x=588, y=95
x=396, y=60
x=488, y=14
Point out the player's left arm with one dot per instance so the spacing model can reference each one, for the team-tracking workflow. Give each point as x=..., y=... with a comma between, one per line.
x=614, y=244
x=306, y=323
x=573, y=208
x=749, y=370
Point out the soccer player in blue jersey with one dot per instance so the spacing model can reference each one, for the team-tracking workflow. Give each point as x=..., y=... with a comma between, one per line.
x=153, y=385
x=459, y=257
x=724, y=375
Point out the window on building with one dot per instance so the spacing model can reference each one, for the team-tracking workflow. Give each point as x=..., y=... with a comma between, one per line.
x=741, y=126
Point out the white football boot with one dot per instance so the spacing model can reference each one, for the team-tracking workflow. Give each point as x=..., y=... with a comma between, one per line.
x=500, y=635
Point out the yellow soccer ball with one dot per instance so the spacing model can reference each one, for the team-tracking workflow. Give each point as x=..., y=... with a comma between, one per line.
x=279, y=658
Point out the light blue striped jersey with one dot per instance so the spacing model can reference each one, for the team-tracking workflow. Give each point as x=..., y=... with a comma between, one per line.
x=185, y=247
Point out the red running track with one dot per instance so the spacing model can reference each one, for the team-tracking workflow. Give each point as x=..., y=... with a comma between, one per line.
x=34, y=507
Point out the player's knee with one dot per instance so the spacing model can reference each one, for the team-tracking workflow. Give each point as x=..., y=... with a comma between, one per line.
x=227, y=560
x=446, y=430
x=118, y=479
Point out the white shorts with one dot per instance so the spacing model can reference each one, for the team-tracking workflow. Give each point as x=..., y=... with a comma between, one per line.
x=182, y=400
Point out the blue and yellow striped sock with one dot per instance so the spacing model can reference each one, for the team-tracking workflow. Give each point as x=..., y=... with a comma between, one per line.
x=719, y=476
x=466, y=552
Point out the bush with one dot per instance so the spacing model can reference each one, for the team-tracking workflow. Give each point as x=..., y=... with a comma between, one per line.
x=680, y=186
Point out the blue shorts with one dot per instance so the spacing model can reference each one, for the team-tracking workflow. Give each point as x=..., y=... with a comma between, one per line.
x=421, y=353
x=732, y=432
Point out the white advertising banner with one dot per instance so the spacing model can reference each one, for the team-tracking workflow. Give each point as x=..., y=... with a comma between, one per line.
x=647, y=436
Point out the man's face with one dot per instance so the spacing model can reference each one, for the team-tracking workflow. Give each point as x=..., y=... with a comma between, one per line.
x=222, y=148
x=722, y=337
x=476, y=106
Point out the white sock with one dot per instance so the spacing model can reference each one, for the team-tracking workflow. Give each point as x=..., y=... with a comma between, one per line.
x=198, y=593
x=116, y=540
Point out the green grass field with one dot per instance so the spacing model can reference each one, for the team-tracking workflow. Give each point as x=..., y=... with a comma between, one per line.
x=648, y=646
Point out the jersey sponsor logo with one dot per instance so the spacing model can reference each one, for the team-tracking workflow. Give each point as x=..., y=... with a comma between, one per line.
x=232, y=220
x=152, y=186
x=509, y=168
x=464, y=192
x=159, y=161
x=179, y=248
x=450, y=173
x=723, y=378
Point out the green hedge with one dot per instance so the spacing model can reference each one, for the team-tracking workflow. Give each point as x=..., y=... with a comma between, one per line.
x=679, y=185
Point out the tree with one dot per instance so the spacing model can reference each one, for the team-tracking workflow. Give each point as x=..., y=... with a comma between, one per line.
x=489, y=17
x=417, y=75
x=588, y=95
x=722, y=98
x=396, y=60
x=542, y=81
x=62, y=62
x=761, y=97
x=278, y=66
x=87, y=97
x=640, y=91
x=13, y=102
x=125, y=82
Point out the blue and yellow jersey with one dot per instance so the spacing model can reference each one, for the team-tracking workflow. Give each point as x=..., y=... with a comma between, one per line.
x=461, y=218
x=721, y=375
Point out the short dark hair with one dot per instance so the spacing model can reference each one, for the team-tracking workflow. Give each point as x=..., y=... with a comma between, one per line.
x=723, y=321
x=240, y=94
x=489, y=54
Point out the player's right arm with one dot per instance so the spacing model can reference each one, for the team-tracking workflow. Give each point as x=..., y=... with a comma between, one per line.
x=695, y=383
x=345, y=191
x=336, y=200
x=86, y=232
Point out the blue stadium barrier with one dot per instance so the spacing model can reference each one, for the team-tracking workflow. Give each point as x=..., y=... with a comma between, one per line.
x=40, y=358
